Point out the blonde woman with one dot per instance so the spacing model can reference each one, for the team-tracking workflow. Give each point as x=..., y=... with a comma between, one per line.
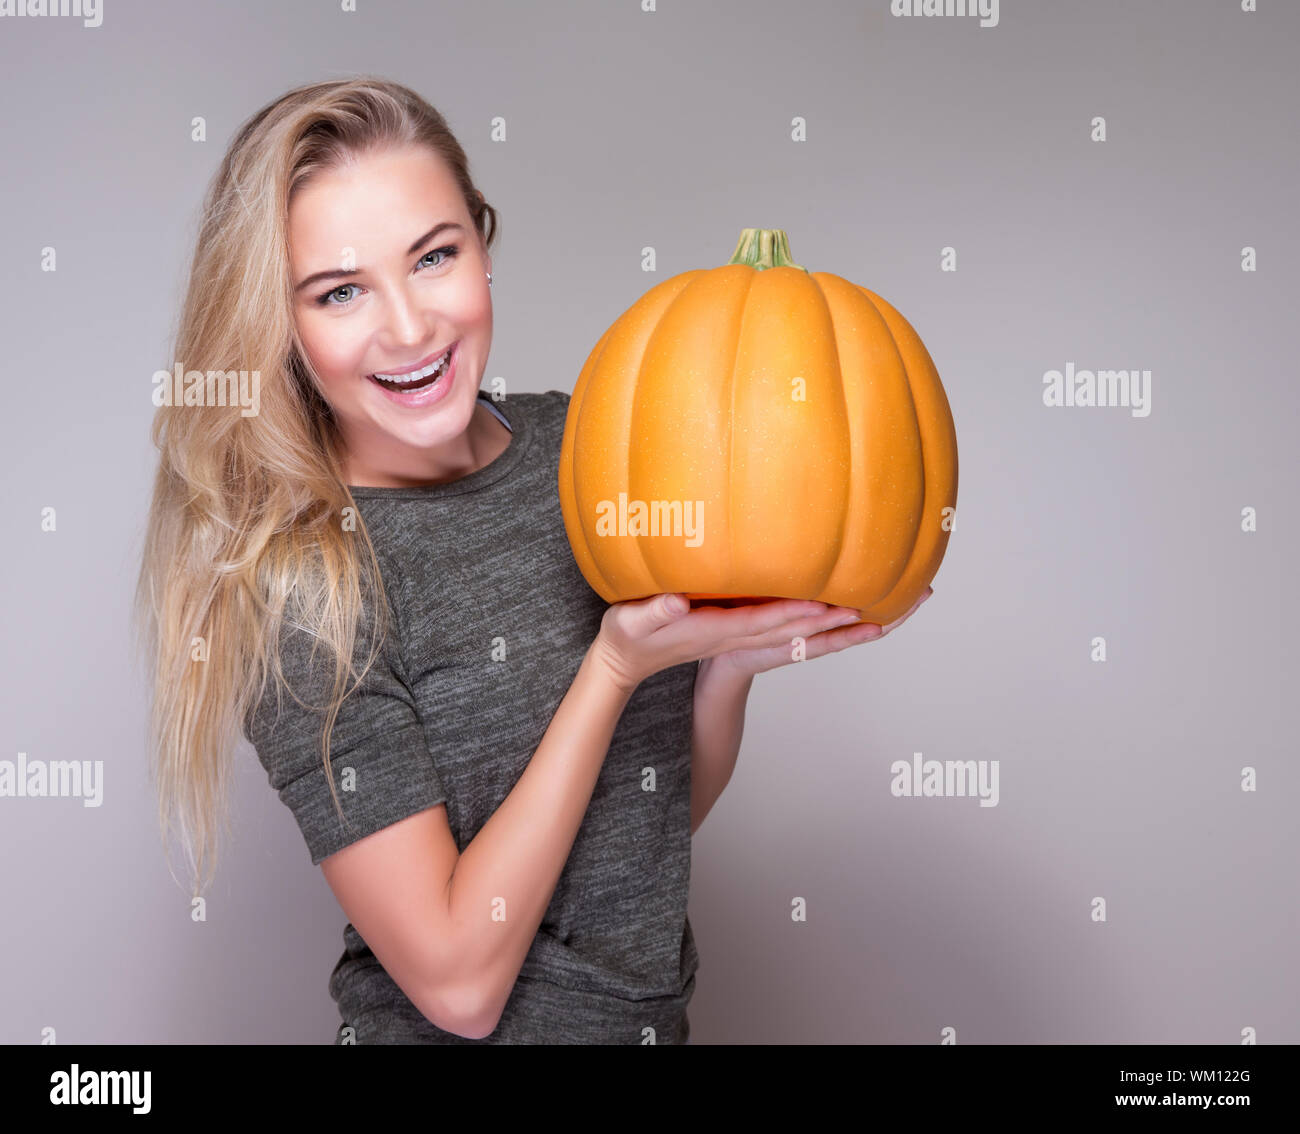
x=498, y=774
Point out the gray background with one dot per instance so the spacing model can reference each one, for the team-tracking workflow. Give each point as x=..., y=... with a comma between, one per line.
x=671, y=129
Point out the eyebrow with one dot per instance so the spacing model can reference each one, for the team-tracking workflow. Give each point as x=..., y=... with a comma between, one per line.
x=340, y=274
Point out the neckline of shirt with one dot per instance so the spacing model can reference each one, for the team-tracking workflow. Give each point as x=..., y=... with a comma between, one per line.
x=521, y=434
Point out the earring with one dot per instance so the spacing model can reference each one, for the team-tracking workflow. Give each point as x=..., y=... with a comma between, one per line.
x=489, y=276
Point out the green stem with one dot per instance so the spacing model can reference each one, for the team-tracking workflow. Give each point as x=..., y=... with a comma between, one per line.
x=764, y=248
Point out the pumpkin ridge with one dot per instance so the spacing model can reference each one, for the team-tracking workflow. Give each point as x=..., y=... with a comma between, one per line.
x=914, y=419
x=843, y=523
x=927, y=551
x=657, y=323
x=883, y=599
x=751, y=276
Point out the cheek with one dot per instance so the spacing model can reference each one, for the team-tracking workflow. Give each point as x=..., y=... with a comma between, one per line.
x=473, y=306
x=335, y=352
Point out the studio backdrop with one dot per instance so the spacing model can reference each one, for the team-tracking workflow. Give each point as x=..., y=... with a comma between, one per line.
x=1057, y=806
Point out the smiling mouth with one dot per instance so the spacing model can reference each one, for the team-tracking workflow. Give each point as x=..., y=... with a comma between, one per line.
x=417, y=379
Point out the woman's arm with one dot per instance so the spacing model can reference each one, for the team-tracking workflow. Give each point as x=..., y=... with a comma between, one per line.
x=718, y=723
x=504, y=879
x=453, y=929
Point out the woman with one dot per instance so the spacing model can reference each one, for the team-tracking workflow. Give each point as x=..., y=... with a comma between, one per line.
x=498, y=774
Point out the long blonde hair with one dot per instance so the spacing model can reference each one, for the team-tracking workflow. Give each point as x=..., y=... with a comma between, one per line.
x=244, y=531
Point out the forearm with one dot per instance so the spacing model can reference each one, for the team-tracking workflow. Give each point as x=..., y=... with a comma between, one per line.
x=506, y=876
x=718, y=724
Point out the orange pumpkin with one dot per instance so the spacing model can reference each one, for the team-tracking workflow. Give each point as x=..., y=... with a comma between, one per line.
x=760, y=431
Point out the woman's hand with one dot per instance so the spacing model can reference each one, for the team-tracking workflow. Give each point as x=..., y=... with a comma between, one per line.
x=747, y=661
x=638, y=639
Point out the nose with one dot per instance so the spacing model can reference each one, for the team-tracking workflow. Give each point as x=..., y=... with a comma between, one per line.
x=405, y=323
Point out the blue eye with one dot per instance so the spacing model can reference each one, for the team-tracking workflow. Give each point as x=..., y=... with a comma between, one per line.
x=324, y=300
x=449, y=251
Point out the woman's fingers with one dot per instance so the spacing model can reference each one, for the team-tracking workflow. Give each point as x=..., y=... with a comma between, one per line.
x=661, y=610
x=828, y=620
x=834, y=639
x=803, y=626
x=807, y=628
x=817, y=642
x=775, y=624
x=743, y=625
x=822, y=634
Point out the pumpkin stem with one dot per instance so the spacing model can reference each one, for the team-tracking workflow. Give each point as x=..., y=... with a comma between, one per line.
x=764, y=248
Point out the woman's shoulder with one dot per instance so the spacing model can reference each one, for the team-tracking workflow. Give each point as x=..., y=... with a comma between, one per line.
x=551, y=400
x=546, y=411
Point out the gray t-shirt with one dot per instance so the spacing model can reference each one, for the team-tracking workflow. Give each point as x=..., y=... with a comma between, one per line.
x=491, y=621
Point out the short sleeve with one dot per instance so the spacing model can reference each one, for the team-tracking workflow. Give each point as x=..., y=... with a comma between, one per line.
x=383, y=770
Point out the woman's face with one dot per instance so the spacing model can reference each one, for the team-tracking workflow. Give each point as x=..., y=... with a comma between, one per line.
x=376, y=292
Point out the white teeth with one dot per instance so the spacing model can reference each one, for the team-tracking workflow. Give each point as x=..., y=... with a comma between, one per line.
x=418, y=375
